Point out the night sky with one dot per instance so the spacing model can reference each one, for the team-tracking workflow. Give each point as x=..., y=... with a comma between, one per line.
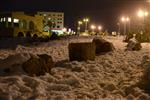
x=104, y=12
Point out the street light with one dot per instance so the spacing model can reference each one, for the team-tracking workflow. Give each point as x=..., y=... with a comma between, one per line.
x=100, y=28
x=118, y=24
x=79, y=24
x=125, y=20
x=86, y=20
x=93, y=27
x=142, y=14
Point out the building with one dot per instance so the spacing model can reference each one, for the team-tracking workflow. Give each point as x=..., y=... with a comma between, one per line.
x=13, y=24
x=57, y=19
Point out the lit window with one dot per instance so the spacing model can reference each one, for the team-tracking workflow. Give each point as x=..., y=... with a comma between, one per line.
x=16, y=20
x=1, y=20
x=44, y=14
x=4, y=19
x=49, y=18
x=9, y=19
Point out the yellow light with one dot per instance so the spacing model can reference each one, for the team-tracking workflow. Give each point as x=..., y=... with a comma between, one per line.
x=122, y=19
x=93, y=27
x=86, y=20
x=79, y=22
x=127, y=19
x=140, y=13
x=99, y=27
x=146, y=13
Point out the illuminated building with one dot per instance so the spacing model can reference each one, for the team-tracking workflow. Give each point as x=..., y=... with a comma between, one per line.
x=57, y=19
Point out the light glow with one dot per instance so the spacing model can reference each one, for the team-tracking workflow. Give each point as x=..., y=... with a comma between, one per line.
x=122, y=19
x=86, y=20
x=125, y=19
x=146, y=13
x=9, y=19
x=4, y=19
x=142, y=13
x=99, y=27
x=16, y=20
x=79, y=22
x=64, y=29
x=93, y=27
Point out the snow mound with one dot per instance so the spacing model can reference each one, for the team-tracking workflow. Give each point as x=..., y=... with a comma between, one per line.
x=111, y=76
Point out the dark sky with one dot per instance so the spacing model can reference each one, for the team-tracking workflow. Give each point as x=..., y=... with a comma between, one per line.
x=104, y=12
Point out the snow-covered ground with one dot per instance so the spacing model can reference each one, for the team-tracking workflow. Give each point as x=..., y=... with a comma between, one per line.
x=110, y=77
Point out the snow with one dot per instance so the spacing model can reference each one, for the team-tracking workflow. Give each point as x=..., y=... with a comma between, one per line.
x=110, y=77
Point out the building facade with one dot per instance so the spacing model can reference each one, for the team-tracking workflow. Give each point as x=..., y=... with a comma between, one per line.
x=13, y=24
x=56, y=19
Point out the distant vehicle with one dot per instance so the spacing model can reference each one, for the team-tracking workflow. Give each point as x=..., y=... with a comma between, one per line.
x=18, y=24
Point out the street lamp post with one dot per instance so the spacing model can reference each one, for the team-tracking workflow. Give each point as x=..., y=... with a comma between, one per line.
x=86, y=20
x=118, y=28
x=129, y=25
x=93, y=28
x=124, y=24
x=100, y=29
x=79, y=26
x=142, y=14
x=125, y=20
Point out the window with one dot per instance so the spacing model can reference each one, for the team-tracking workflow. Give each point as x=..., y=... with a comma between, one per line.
x=58, y=26
x=59, y=22
x=59, y=19
x=49, y=18
x=16, y=23
x=1, y=19
x=59, y=15
x=23, y=24
x=16, y=20
x=44, y=14
x=9, y=19
x=3, y=24
x=4, y=19
x=31, y=25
